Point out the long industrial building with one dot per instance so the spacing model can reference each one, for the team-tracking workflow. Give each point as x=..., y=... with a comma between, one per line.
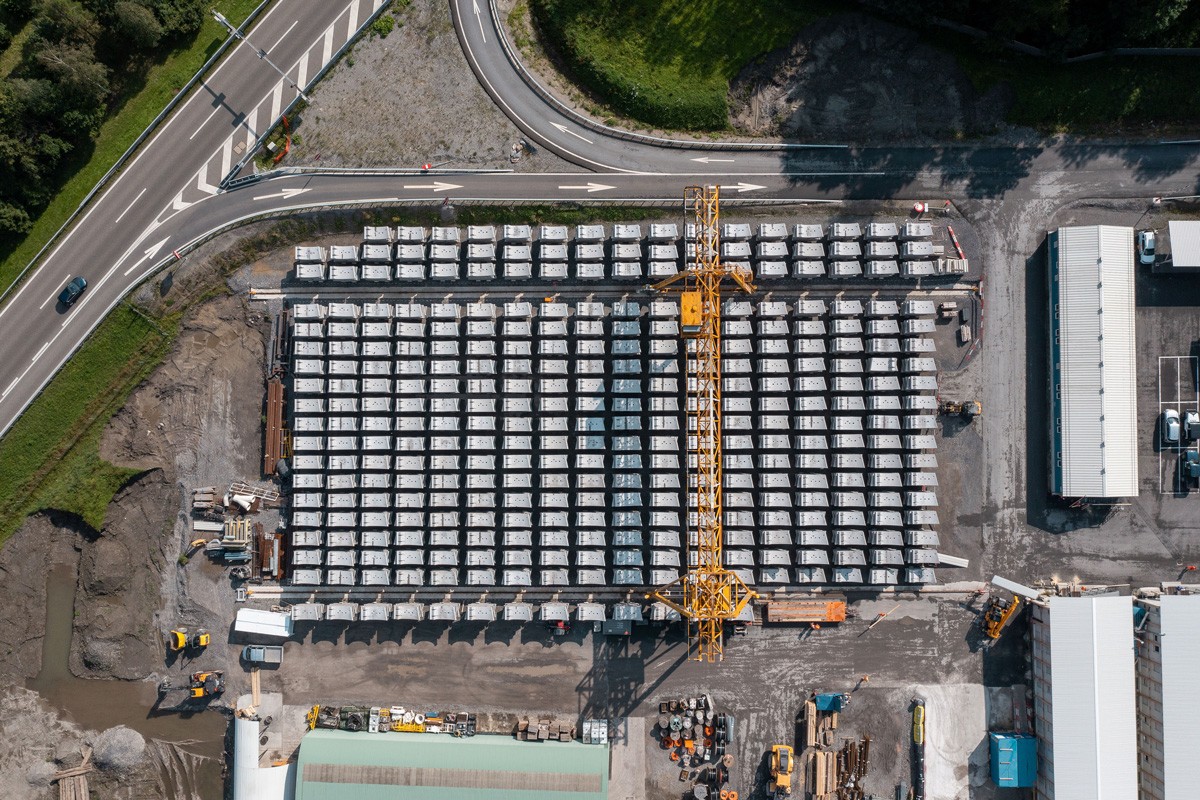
x=1116, y=704
x=1093, y=366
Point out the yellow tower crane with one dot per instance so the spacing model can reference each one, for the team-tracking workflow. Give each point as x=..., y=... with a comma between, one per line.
x=708, y=594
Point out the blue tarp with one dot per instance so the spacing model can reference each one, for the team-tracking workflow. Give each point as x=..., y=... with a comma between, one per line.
x=828, y=702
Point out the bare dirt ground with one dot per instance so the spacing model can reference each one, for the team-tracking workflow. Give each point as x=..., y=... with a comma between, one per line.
x=406, y=100
x=841, y=79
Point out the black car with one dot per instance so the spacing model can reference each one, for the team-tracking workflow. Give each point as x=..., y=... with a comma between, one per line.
x=72, y=291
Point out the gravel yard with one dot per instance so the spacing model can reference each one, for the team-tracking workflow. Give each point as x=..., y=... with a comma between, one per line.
x=408, y=99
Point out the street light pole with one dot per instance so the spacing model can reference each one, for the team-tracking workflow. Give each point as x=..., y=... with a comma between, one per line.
x=262, y=54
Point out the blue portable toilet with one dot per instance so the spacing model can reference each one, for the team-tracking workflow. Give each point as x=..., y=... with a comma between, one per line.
x=1014, y=759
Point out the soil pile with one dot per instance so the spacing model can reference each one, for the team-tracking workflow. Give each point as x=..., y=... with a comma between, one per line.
x=119, y=748
x=120, y=583
x=844, y=79
x=198, y=417
x=23, y=564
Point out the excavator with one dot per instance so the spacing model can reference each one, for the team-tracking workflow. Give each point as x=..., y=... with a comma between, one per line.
x=996, y=615
x=180, y=639
x=207, y=683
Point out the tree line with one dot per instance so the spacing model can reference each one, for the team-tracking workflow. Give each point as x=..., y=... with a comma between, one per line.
x=1073, y=27
x=74, y=60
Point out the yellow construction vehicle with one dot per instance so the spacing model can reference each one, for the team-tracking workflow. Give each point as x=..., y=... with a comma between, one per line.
x=180, y=639
x=996, y=615
x=207, y=684
x=782, y=764
x=967, y=409
x=708, y=595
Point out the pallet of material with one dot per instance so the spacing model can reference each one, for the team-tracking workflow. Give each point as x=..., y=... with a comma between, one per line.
x=273, y=446
x=806, y=611
x=810, y=724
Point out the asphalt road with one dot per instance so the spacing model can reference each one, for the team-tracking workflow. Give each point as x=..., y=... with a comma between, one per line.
x=167, y=197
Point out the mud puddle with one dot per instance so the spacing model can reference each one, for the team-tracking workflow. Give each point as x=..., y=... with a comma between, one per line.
x=100, y=704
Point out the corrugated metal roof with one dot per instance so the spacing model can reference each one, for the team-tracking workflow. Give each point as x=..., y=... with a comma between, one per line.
x=1096, y=364
x=1092, y=697
x=1179, y=639
x=334, y=765
x=1185, y=243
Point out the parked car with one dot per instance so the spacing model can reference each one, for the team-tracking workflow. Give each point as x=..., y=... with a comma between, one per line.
x=1145, y=246
x=1170, y=426
x=1191, y=425
x=72, y=291
x=262, y=654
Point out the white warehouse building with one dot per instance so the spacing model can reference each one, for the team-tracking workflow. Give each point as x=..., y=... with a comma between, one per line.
x=1093, y=366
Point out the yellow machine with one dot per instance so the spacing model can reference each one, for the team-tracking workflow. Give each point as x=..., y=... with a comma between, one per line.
x=782, y=764
x=310, y=719
x=180, y=639
x=207, y=684
x=707, y=595
x=997, y=614
x=967, y=409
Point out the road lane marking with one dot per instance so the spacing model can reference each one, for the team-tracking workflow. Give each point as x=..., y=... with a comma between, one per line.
x=220, y=100
x=590, y=187
x=226, y=157
x=54, y=295
x=302, y=73
x=353, y=21
x=287, y=194
x=281, y=38
x=328, y=46
x=277, y=100
x=39, y=352
x=746, y=187
x=479, y=19
x=202, y=180
x=437, y=186
x=250, y=122
x=148, y=253
x=564, y=129
x=126, y=211
x=16, y=380
x=710, y=160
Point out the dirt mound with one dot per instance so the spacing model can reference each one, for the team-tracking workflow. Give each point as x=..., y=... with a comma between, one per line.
x=119, y=748
x=120, y=583
x=198, y=417
x=852, y=78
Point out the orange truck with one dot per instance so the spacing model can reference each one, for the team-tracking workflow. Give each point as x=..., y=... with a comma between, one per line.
x=811, y=612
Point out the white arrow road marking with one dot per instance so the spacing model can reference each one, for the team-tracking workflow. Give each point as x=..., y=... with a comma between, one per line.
x=479, y=19
x=565, y=129
x=746, y=187
x=437, y=186
x=150, y=251
x=590, y=187
x=710, y=160
x=287, y=194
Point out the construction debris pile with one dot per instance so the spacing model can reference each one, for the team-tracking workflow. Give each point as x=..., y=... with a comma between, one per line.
x=544, y=730
x=226, y=534
x=695, y=737
x=831, y=773
x=380, y=719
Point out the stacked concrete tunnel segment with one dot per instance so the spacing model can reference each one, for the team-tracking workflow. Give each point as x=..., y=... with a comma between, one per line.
x=536, y=447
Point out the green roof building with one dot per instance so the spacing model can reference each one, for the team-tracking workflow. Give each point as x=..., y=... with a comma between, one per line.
x=340, y=765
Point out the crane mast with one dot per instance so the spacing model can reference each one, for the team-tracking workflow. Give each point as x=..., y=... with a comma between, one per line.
x=708, y=594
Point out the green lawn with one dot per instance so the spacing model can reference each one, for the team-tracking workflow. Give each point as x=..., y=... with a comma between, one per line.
x=50, y=457
x=131, y=115
x=669, y=62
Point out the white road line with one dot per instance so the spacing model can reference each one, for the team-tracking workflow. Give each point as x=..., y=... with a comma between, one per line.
x=281, y=38
x=277, y=100
x=250, y=123
x=10, y=387
x=327, y=50
x=39, y=352
x=226, y=157
x=53, y=295
x=126, y=211
x=220, y=106
x=353, y=20
x=202, y=179
x=302, y=72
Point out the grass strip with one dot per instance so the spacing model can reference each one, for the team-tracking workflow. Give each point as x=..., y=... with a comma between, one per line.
x=50, y=458
x=88, y=162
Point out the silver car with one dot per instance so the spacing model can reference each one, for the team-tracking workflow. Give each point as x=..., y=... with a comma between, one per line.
x=1170, y=426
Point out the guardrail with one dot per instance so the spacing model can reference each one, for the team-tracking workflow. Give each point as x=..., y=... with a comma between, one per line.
x=120, y=162
x=250, y=151
x=642, y=138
